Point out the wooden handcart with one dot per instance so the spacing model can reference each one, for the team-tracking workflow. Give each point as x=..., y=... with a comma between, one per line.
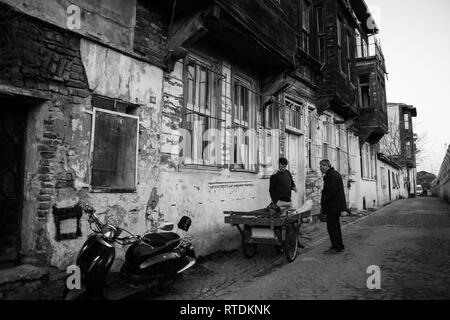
x=257, y=228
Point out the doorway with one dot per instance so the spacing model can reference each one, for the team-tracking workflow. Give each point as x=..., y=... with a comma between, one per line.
x=12, y=139
x=296, y=157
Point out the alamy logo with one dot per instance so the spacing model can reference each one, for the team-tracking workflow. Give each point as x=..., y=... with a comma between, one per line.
x=73, y=21
x=74, y=279
x=374, y=280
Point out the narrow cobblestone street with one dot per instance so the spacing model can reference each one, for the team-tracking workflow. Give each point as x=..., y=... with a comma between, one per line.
x=409, y=240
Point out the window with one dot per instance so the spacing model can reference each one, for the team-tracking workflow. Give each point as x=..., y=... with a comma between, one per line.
x=349, y=57
x=295, y=112
x=365, y=48
x=312, y=127
x=383, y=177
x=367, y=162
x=364, y=91
x=272, y=137
x=406, y=120
x=272, y=116
x=339, y=42
x=408, y=149
x=320, y=34
x=326, y=138
x=306, y=24
x=339, y=148
x=114, y=145
x=358, y=44
x=394, y=182
x=202, y=119
x=244, y=115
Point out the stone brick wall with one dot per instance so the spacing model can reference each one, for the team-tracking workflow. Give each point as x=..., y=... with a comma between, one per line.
x=44, y=61
x=150, y=38
x=35, y=55
x=442, y=187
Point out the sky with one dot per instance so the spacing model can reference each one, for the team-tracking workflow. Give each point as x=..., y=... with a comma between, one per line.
x=415, y=40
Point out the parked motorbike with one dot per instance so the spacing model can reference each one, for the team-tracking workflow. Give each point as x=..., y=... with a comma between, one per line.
x=149, y=259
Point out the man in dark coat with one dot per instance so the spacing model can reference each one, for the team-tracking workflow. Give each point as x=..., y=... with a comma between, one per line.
x=281, y=186
x=333, y=203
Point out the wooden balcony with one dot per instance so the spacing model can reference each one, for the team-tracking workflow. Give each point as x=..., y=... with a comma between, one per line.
x=372, y=125
x=259, y=33
x=370, y=55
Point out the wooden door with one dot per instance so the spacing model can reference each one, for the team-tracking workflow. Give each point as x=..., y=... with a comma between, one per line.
x=12, y=128
x=295, y=157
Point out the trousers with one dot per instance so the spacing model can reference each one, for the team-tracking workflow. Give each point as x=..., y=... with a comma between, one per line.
x=284, y=206
x=334, y=230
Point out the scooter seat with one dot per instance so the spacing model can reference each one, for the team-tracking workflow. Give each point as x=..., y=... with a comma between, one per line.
x=162, y=239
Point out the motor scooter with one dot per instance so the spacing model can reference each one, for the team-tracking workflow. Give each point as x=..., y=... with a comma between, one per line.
x=149, y=260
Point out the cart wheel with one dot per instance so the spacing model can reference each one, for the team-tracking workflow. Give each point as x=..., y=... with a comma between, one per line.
x=249, y=250
x=291, y=243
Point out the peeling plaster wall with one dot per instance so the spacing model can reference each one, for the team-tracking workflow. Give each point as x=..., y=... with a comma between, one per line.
x=111, y=21
x=383, y=190
x=368, y=190
x=117, y=76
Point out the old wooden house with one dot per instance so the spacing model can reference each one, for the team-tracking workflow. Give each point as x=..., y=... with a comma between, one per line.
x=150, y=110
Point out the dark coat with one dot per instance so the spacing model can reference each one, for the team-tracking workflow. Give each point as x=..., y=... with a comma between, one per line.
x=333, y=196
x=281, y=186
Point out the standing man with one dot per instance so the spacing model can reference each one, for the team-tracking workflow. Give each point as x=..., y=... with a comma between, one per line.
x=281, y=186
x=333, y=203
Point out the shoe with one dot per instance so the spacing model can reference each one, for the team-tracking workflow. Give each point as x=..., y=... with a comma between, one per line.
x=333, y=251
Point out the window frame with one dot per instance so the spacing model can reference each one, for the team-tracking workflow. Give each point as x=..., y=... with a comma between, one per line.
x=406, y=121
x=250, y=124
x=339, y=27
x=320, y=31
x=326, y=138
x=206, y=112
x=95, y=110
x=271, y=137
x=365, y=85
x=291, y=114
x=307, y=8
x=311, y=138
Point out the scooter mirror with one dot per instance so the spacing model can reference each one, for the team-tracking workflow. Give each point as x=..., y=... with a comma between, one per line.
x=185, y=223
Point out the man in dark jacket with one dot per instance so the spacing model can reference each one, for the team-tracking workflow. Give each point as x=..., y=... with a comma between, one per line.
x=281, y=186
x=333, y=203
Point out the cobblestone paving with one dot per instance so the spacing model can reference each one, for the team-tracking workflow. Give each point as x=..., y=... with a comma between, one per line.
x=221, y=273
x=409, y=240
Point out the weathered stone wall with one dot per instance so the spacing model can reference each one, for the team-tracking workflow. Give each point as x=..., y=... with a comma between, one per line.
x=57, y=73
x=109, y=21
x=150, y=36
x=39, y=60
x=442, y=187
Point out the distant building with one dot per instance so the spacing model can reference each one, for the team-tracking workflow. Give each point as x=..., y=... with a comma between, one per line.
x=400, y=144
